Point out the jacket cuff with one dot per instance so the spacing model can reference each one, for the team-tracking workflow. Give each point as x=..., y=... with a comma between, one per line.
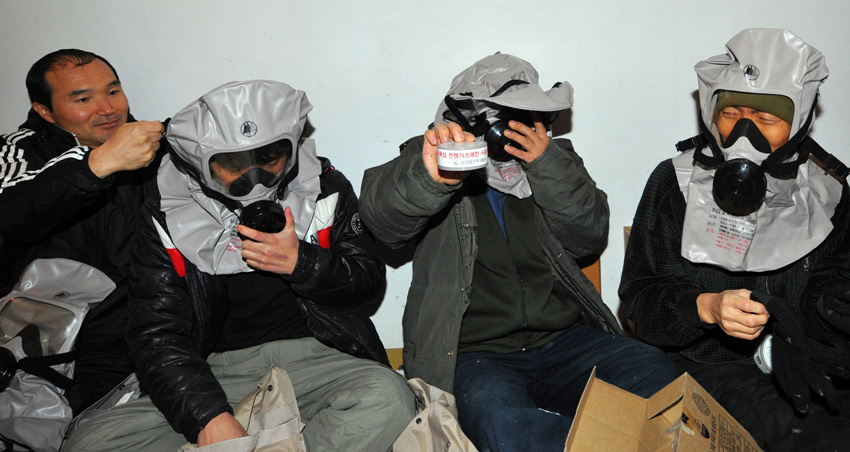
x=421, y=175
x=97, y=183
x=194, y=428
x=305, y=263
x=690, y=313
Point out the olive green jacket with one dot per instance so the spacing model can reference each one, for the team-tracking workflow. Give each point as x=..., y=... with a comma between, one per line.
x=401, y=203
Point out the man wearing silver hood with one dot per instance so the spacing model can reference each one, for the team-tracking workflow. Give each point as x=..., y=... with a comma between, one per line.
x=738, y=261
x=498, y=310
x=215, y=304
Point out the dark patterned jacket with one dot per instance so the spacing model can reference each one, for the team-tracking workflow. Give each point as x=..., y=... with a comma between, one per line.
x=659, y=287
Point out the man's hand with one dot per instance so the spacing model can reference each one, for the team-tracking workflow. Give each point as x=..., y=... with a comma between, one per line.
x=131, y=147
x=221, y=428
x=533, y=140
x=734, y=311
x=443, y=133
x=276, y=253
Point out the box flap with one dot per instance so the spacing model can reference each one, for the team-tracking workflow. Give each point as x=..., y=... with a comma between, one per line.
x=681, y=417
x=666, y=397
x=608, y=418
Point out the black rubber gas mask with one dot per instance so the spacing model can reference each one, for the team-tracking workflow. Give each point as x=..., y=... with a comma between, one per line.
x=264, y=216
x=492, y=127
x=742, y=167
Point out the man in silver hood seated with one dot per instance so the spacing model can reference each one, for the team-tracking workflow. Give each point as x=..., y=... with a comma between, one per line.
x=252, y=256
x=738, y=261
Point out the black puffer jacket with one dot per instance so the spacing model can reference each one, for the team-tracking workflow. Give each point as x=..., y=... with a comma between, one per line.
x=175, y=320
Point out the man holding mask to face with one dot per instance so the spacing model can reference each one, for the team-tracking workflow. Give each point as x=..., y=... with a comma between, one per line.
x=498, y=310
x=217, y=299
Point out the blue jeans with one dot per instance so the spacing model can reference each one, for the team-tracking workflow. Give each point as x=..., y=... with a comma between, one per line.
x=526, y=400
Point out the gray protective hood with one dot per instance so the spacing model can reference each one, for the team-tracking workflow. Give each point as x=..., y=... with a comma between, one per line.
x=238, y=116
x=473, y=90
x=794, y=216
x=479, y=81
x=763, y=61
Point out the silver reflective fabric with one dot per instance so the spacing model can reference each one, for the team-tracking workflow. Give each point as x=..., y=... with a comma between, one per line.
x=795, y=215
x=763, y=61
x=56, y=324
x=490, y=73
x=54, y=295
x=479, y=81
x=234, y=117
x=793, y=219
x=204, y=230
x=239, y=116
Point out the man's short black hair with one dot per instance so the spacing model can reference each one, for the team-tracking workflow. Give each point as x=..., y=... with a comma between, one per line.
x=37, y=87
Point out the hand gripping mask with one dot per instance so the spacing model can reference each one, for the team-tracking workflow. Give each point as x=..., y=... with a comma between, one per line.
x=750, y=208
x=237, y=156
x=39, y=322
x=486, y=96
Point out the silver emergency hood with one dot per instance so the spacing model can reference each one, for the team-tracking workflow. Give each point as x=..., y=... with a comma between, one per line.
x=236, y=117
x=484, y=97
x=230, y=122
x=39, y=322
x=499, y=73
x=763, y=61
x=779, y=209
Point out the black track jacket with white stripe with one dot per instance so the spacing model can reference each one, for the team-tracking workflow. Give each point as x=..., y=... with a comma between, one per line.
x=53, y=206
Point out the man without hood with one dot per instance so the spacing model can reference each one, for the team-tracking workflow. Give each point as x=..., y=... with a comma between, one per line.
x=216, y=304
x=739, y=254
x=498, y=310
x=70, y=187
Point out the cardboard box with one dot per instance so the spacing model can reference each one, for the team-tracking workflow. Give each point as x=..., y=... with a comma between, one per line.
x=681, y=417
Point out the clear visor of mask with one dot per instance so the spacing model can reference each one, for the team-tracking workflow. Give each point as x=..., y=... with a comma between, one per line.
x=44, y=324
x=235, y=174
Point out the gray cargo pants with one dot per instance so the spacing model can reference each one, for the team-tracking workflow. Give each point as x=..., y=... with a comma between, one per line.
x=347, y=403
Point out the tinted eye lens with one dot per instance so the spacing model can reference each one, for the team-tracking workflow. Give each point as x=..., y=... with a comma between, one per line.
x=247, y=181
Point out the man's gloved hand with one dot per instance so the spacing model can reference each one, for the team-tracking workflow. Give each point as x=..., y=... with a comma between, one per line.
x=801, y=364
x=834, y=306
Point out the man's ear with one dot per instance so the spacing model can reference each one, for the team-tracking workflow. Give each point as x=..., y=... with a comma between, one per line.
x=44, y=112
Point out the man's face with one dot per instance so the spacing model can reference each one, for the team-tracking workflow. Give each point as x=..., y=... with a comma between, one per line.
x=87, y=101
x=776, y=130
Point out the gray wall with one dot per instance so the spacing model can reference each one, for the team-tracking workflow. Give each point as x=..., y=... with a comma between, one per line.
x=376, y=70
